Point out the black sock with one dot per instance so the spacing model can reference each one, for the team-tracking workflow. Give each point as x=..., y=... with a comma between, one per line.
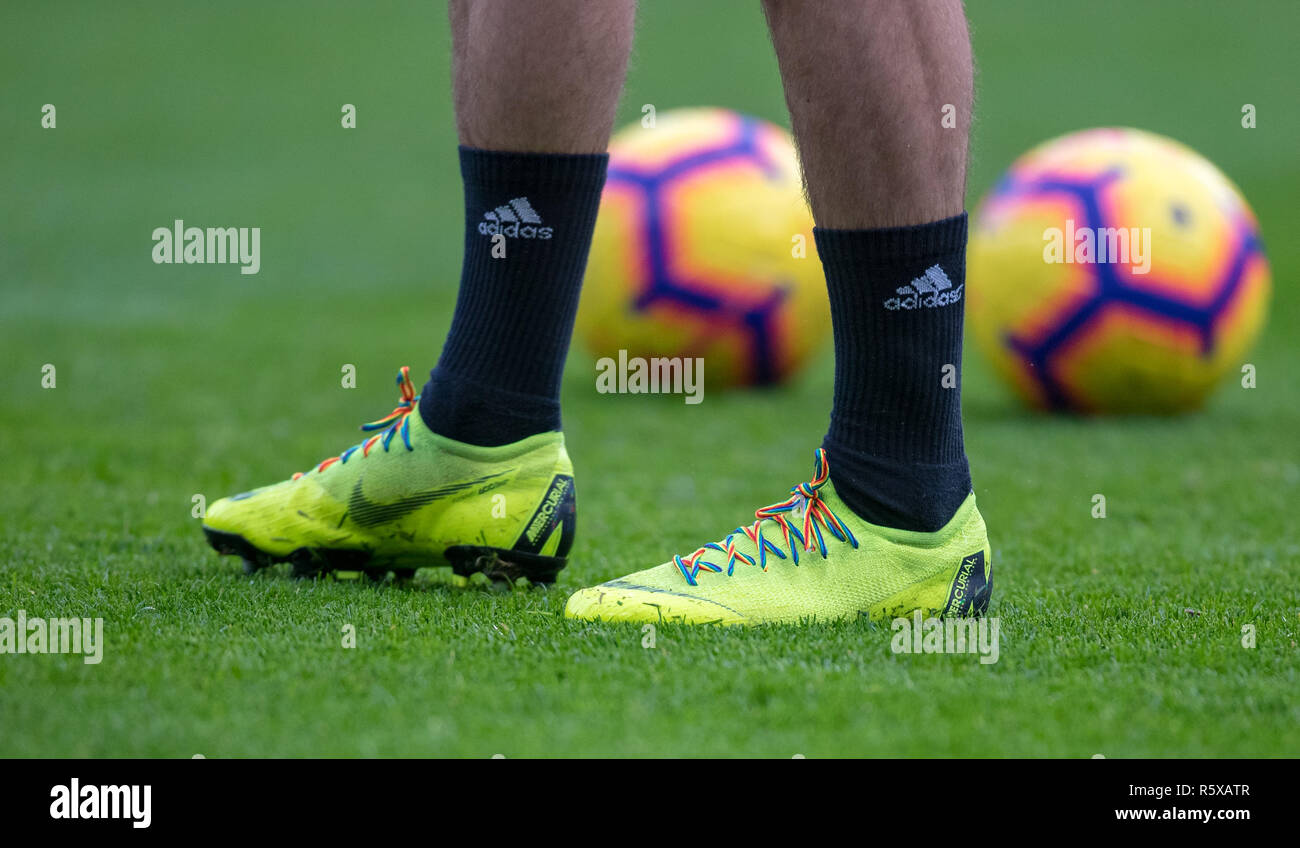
x=498, y=379
x=895, y=441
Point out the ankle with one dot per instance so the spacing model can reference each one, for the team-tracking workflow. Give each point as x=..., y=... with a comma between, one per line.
x=900, y=493
x=484, y=415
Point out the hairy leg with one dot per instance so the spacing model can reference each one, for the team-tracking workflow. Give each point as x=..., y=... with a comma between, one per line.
x=539, y=77
x=535, y=87
x=880, y=97
x=868, y=84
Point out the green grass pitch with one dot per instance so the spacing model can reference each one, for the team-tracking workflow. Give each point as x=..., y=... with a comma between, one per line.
x=1120, y=636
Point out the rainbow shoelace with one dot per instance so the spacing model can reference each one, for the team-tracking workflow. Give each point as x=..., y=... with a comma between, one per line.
x=815, y=513
x=397, y=421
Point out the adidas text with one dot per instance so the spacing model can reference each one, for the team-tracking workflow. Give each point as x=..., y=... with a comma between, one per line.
x=515, y=219
x=928, y=291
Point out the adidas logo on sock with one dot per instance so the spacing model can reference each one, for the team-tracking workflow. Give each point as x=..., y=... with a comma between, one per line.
x=516, y=219
x=930, y=290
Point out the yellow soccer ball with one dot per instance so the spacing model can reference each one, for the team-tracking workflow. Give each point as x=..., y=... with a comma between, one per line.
x=704, y=248
x=1114, y=270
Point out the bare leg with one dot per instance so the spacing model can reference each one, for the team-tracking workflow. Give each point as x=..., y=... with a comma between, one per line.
x=867, y=84
x=539, y=77
x=535, y=87
x=880, y=96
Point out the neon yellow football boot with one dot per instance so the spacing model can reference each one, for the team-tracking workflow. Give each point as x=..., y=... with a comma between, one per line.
x=406, y=498
x=808, y=558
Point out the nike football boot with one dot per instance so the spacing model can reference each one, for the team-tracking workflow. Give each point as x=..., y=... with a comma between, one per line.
x=808, y=557
x=406, y=498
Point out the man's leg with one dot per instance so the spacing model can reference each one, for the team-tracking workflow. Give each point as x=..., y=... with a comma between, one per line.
x=474, y=473
x=887, y=524
x=880, y=97
x=539, y=80
x=535, y=91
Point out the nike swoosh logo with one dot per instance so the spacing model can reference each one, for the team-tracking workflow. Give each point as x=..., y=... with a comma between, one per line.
x=623, y=584
x=368, y=513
